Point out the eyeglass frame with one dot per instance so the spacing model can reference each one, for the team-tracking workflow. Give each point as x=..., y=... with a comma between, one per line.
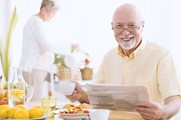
x=130, y=27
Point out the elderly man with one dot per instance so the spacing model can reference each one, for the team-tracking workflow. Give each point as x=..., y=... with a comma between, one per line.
x=137, y=62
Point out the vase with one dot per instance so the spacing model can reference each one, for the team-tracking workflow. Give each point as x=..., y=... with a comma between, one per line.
x=87, y=73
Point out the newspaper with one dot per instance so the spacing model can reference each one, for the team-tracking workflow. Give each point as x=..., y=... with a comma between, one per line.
x=116, y=97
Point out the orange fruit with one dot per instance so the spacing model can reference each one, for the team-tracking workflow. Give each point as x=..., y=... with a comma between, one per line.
x=21, y=114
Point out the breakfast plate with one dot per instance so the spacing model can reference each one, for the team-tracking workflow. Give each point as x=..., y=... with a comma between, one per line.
x=79, y=116
x=70, y=116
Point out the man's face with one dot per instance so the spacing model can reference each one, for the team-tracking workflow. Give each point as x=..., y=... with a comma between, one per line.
x=127, y=29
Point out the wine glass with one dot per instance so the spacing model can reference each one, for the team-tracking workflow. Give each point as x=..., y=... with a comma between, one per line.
x=49, y=104
x=29, y=93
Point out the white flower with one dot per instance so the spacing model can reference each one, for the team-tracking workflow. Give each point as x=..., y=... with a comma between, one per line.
x=70, y=61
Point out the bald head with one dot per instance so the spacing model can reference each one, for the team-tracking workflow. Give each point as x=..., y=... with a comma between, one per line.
x=127, y=13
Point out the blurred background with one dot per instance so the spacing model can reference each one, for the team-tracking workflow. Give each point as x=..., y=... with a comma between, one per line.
x=88, y=23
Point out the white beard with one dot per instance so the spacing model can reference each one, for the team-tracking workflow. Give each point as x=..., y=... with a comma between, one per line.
x=127, y=44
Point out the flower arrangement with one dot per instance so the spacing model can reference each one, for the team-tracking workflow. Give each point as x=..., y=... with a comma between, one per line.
x=4, y=50
x=87, y=71
x=66, y=60
x=59, y=60
x=87, y=61
x=66, y=65
x=77, y=62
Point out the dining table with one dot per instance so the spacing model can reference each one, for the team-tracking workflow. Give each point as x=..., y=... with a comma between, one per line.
x=114, y=115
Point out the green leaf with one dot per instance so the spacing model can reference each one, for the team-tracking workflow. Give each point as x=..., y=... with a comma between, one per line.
x=5, y=61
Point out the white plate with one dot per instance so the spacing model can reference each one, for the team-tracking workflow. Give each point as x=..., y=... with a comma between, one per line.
x=77, y=116
x=59, y=110
x=74, y=116
x=41, y=118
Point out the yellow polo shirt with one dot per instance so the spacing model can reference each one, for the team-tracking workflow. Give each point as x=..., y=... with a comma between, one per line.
x=149, y=65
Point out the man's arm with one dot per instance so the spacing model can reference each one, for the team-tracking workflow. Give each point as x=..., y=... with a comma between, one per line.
x=173, y=105
x=156, y=111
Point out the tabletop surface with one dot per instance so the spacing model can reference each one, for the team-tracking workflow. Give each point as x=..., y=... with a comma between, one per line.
x=114, y=115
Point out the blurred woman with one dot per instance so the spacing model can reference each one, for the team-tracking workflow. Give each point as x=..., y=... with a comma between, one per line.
x=37, y=56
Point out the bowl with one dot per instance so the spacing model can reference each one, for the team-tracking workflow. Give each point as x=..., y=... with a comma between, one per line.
x=99, y=114
x=66, y=87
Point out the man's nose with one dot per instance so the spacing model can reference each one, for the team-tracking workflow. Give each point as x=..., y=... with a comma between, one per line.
x=125, y=31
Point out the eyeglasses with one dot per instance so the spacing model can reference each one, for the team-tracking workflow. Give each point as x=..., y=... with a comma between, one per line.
x=121, y=28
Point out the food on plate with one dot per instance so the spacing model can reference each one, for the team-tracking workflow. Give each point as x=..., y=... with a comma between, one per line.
x=21, y=106
x=36, y=112
x=68, y=106
x=12, y=111
x=21, y=114
x=3, y=101
x=73, y=109
x=4, y=111
x=85, y=106
x=41, y=108
x=2, y=94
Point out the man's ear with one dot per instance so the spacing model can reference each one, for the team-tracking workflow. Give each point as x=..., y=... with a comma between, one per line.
x=142, y=26
x=112, y=25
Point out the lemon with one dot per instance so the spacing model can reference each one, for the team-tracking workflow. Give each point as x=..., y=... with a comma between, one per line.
x=17, y=94
x=3, y=114
x=4, y=111
x=41, y=109
x=21, y=114
x=7, y=107
x=12, y=111
x=35, y=112
x=21, y=107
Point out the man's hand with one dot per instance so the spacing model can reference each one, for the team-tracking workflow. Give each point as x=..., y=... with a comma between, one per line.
x=151, y=110
x=78, y=94
x=155, y=111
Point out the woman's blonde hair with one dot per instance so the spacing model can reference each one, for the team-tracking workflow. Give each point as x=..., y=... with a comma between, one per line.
x=50, y=5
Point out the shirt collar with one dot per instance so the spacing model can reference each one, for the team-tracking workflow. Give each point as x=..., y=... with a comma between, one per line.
x=135, y=53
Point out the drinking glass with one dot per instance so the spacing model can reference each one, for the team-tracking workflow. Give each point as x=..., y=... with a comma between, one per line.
x=49, y=104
